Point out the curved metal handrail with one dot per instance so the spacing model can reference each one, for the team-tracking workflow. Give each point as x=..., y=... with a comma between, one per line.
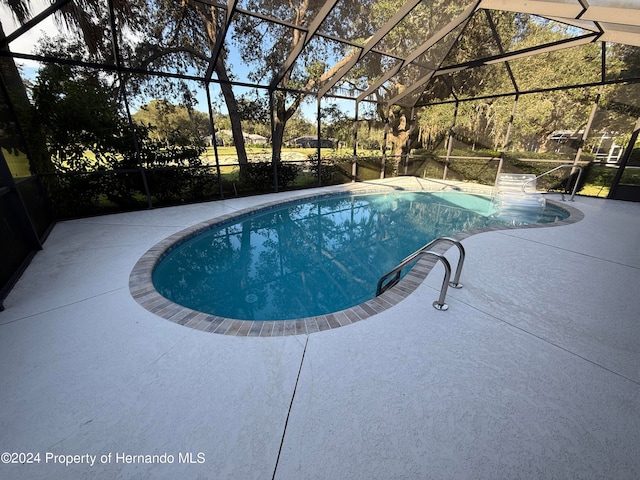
x=438, y=304
x=575, y=186
x=456, y=278
x=424, y=251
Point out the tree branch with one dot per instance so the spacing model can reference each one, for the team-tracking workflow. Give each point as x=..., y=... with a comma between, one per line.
x=311, y=83
x=161, y=52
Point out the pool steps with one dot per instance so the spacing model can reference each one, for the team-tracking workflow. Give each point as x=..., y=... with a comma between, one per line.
x=517, y=192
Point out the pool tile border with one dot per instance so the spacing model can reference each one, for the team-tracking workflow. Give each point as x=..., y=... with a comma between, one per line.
x=142, y=289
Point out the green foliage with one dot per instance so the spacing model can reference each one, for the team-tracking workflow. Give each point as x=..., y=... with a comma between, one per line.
x=173, y=124
x=83, y=129
x=332, y=171
x=78, y=112
x=336, y=124
x=370, y=134
x=254, y=109
x=101, y=153
x=255, y=115
x=483, y=123
x=18, y=163
x=434, y=124
x=172, y=171
x=299, y=126
x=259, y=176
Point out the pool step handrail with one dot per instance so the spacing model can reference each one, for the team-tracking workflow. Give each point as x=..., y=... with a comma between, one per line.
x=575, y=186
x=396, y=272
x=456, y=278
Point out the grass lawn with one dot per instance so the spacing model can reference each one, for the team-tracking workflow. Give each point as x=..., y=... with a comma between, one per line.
x=228, y=155
x=595, y=191
x=18, y=164
x=597, y=184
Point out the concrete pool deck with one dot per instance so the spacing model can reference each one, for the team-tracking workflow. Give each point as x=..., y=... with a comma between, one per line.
x=533, y=372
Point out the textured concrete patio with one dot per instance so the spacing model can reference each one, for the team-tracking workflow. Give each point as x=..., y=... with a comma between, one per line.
x=533, y=372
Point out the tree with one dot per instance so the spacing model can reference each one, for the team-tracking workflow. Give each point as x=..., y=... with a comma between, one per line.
x=78, y=114
x=484, y=122
x=255, y=114
x=181, y=36
x=336, y=124
x=434, y=124
x=299, y=126
x=619, y=104
x=173, y=124
x=88, y=131
x=83, y=17
x=20, y=118
x=280, y=43
x=406, y=37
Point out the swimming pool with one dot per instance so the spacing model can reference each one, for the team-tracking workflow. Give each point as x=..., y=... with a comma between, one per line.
x=316, y=256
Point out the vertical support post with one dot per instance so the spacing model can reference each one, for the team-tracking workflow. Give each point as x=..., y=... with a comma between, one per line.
x=214, y=142
x=33, y=168
x=407, y=148
x=384, y=143
x=319, y=141
x=624, y=160
x=507, y=138
x=125, y=99
x=25, y=224
x=354, y=162
x=450, y=142
x=273, y=127
x=18, y=206
x=603, y=61
x=587, y=128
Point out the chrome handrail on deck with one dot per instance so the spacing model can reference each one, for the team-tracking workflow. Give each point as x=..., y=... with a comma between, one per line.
x=424, y=251
x=575, y=186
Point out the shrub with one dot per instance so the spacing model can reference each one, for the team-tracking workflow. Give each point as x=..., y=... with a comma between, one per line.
x=259, y=176
x=332, y=171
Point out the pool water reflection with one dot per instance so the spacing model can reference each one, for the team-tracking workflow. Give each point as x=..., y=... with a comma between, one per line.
x=316, y=256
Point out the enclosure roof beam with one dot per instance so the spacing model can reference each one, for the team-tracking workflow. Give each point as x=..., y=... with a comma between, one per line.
x=617, y=21
x=33, y=22
x=525, y=52
x=297, y=50
x=533, y=91
x=620, y=34
x=582, y=24
x=422, y=82
x=439, y=35
x=498, y=40
x=220, y=38
x=612, y=15
x=543, y=8
x=370, y=43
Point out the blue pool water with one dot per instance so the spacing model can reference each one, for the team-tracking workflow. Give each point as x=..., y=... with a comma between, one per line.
x=316, y=256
